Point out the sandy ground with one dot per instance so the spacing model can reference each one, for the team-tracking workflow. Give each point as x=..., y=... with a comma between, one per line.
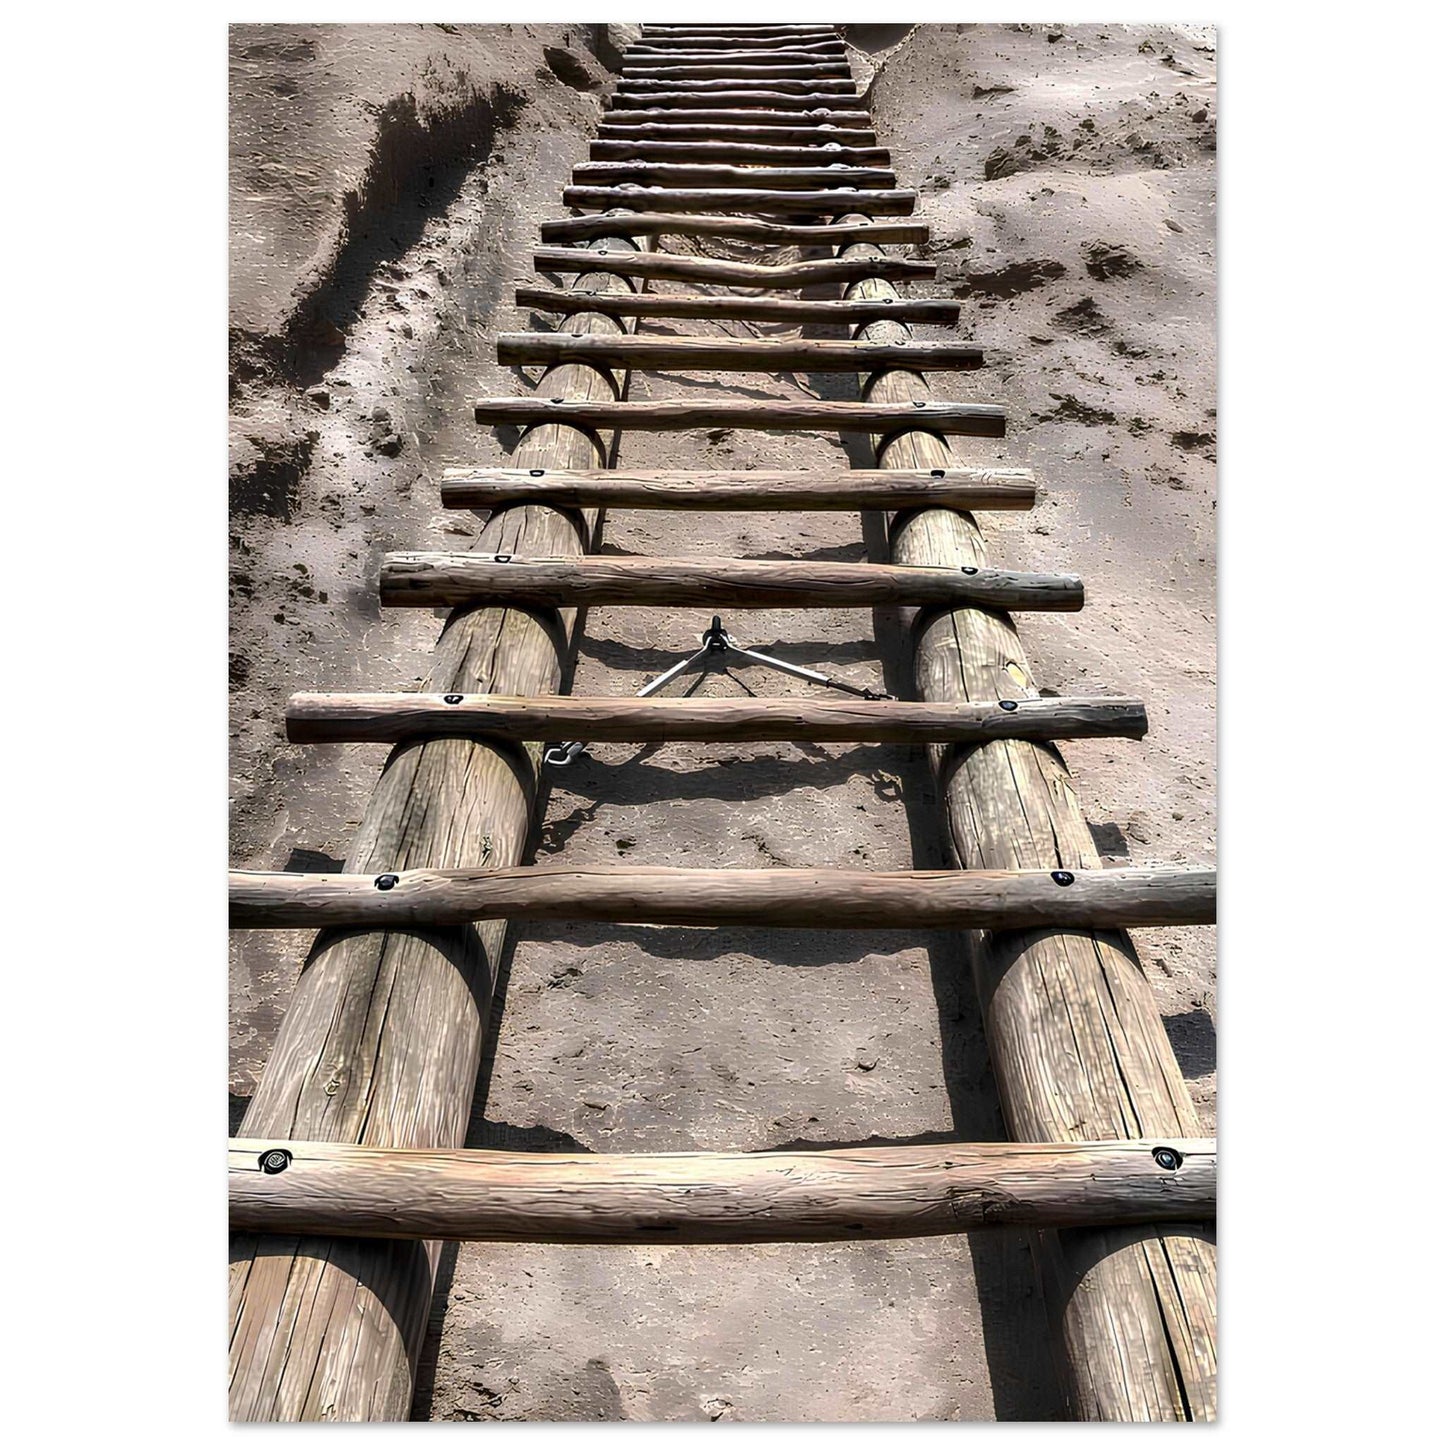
x=1067, y=173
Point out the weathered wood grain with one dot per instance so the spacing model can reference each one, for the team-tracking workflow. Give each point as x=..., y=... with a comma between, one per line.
x=794, y=203
x=816, y=1194
x=740, y=228
x=758, y=177
x=819, y=120
x=1077, y=1045
x=778, y=130
x=957, y=418
x=980, y=488
x=741, y=35
x=739, y=98
x=781, y=68
x=724, y=897
x=452, y=579
x=814, y=89
x=390, y=717
x=727, y=152
x=706, y=269
x=743, y=51
x=729, y=353
x=744, y=308
x=766, y=53
x=381, y=1042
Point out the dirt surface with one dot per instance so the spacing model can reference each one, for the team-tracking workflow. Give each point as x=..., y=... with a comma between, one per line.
x=1067, y=173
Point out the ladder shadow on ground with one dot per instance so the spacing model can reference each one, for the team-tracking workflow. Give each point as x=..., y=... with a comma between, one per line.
x=635, y=781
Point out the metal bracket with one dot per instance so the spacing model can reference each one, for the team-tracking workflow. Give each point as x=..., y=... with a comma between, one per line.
x=718, y=642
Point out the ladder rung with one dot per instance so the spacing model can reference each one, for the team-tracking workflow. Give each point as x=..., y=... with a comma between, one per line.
x=732, y=152
x=749, y=52
x=739, y=35
x=741, y=228
x=747, y=102
x=766, y=178
x=795, y=203
x=740, y=50
x=454, y=579
x=823, y=90
x=828, y=32
x=737, y=49
x=813, y=1194
x=794, y=68
x=951, y=418
x=820, y=120
x=738, y=308
x=730, y=353
x=969, y=489
x=390, y=717
x=791, y=131
x=777, y=277
x=727, y=897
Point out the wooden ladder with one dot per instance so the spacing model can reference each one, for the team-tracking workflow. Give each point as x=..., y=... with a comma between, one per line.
x=350, y=1169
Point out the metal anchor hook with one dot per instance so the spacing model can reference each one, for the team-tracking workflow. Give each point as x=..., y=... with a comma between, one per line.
x=717, y=641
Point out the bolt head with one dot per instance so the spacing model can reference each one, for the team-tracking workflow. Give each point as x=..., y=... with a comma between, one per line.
x=275, y=1161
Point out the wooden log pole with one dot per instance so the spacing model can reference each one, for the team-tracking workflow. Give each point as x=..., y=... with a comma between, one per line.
x=737, y=228
x=725, y=897
x=790, y=203
x=742, y=308
x=648, y=1199
x=390, y=717
x=382, y=1040
x=1077, y=1044
x=729, y=353
x=705, y=269
x=454, y=579
x=760, y=177
x=954, y=418
x=984, y=489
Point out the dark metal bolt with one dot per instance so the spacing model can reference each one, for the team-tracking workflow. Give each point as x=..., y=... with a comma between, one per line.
x=1168, y=1158
x=969, y=571
x=1008, y=704
x=1062, y=877
x=936, y=472
x=387, y=881
x=556, y=400
x=275, y=1161
x=537, y=472
x=453, y=698
x=920, y=403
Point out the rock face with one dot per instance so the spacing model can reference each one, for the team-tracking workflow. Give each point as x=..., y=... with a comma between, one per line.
x=387, y=186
